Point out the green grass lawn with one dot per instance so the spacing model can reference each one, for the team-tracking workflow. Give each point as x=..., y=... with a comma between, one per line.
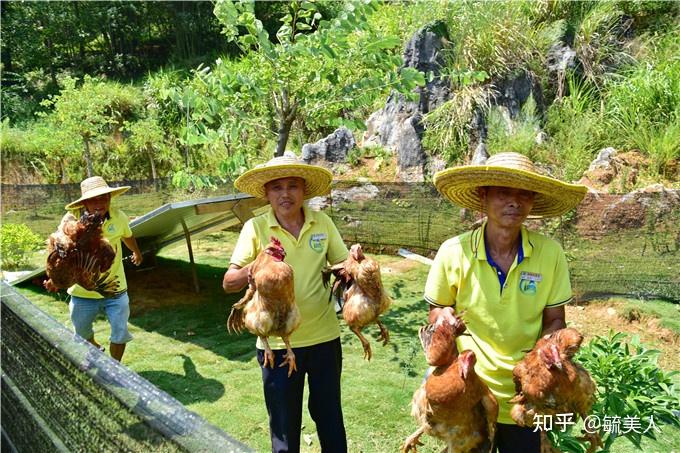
x=181, y=345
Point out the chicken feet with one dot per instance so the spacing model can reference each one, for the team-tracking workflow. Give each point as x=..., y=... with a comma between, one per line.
x=384, y=337
x=384, y=333
x=413, y=441
x=288, y=357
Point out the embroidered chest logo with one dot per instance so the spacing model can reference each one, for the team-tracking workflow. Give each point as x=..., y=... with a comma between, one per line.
x=317, y=242
x=111, y=228
x=528, y=282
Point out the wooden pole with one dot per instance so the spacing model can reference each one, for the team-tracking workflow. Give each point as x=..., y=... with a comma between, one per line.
x=187, y=236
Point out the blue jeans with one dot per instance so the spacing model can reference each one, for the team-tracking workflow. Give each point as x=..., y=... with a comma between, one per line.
x=322, y=363
x=84, y=310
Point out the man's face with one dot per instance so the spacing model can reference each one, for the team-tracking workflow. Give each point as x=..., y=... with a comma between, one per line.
x=98, y=204
x=286, y=194
x=505, y=206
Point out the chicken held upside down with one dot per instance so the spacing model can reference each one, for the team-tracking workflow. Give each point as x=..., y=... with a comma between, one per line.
x=359, y=284
x=549, y=382
x=78, y=253
x=268, y=306
x=452, y=404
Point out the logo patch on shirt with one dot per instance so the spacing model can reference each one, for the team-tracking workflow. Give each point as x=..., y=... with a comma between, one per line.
x=528, y=282
x=317, y=242
x=111, y=228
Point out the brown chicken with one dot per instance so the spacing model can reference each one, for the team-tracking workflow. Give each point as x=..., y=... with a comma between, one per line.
x=452, y=404
x=268, y=306
x=548, y=382
x=358, y=283
x=78, y=253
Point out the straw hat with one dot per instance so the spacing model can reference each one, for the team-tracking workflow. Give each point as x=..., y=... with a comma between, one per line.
x=317, y=179
x=553, y=197
x=93, y=187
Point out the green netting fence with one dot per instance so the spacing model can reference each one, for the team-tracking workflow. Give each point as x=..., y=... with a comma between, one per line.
x=59, y=393
x=616, y=244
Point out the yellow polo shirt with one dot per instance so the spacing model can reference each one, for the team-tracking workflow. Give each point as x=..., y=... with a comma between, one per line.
x=114, y=228
x=503, y=325
x=318, y=245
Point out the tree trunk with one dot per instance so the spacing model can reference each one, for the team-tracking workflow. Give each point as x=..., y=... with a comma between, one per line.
x=149, y=153
x=284, y=133
x=286, y=113
x=62, y=167
x=88, y=158
x=186, y=147
x=81, y=43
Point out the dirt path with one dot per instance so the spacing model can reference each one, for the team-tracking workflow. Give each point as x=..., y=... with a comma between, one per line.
x=599, y=317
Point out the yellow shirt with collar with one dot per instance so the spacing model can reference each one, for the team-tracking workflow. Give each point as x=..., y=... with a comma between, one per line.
x=502, y=325
x=114, y=228
x=318, y=245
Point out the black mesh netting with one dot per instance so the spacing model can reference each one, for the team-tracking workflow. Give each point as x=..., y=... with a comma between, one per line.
x=616, y=244
x=60, y=393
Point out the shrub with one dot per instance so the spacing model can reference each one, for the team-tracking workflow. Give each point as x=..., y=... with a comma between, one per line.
x=631, y=386
x=16, y=243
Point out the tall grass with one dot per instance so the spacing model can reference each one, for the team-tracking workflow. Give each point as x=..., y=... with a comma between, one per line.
x=519, y=135
x=447, y=128
x=498, y=37
x=575, y=125
x=643, y=105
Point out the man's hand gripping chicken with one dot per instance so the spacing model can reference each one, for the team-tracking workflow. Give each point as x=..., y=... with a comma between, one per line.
x=268, y=306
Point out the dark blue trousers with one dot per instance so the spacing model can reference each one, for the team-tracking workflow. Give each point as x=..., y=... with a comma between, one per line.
x=517, y=439
x=322, y=364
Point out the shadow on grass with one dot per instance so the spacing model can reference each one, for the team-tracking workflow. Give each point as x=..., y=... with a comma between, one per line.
x=183, y=387
x=164, y=301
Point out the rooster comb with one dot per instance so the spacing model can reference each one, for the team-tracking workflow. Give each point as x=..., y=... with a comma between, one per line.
x=275, y=241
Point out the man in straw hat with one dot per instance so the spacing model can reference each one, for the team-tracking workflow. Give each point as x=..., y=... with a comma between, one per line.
x=85, y=305
x=510, y=284
x=311, y=242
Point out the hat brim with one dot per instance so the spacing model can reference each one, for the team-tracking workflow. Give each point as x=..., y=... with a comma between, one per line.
x=317, y=179
x=553, y=197
x=114, y=191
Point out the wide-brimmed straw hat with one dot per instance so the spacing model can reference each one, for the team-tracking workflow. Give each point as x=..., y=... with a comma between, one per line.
x=553, y=197
x=317, y=179
x=93, y=187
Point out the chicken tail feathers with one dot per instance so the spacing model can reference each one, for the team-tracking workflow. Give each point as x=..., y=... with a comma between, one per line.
x=426, y=333
x=235, y=322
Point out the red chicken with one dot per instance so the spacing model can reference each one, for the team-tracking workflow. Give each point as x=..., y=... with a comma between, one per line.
x=78, y=253
x=268, y=306
x=452, y=404
x=358, y=283
x=549, y=382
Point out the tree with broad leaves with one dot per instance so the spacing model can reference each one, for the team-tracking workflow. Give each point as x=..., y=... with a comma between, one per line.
x=318, y=71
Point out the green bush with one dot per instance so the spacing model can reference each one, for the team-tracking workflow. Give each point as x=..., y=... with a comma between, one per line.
x=630, y=386
x=513, y=135
x=17, y=241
